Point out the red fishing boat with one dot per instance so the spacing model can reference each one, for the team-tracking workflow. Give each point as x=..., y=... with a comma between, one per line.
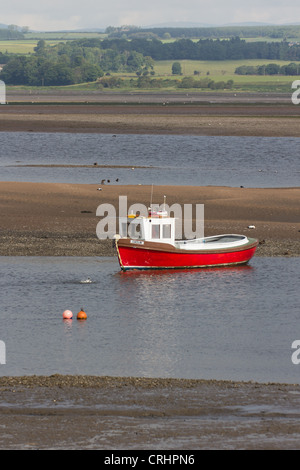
x=149, y=243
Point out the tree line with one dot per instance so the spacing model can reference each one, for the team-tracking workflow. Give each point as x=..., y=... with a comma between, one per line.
x=268, y=69
x=272, y=31
x=204, y=49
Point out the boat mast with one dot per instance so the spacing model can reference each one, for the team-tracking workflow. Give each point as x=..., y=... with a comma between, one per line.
x=151, y=197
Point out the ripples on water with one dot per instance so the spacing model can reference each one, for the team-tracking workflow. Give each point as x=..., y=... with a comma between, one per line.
x=223, y=323
x=183, y=160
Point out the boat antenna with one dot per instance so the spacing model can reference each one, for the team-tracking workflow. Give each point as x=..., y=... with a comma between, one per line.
x=151, y=196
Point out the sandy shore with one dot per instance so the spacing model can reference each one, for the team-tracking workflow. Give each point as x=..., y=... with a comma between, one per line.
x=78, y=412
x=53, y=219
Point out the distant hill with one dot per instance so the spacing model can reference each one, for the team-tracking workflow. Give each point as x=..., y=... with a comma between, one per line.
x=186, y=24
x=80, y=30
x=179, y=24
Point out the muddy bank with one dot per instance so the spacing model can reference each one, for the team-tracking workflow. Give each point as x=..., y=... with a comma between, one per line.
x=78, y=412
x=276, y=118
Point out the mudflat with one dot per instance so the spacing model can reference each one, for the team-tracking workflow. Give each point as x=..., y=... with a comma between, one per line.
x=196, y=113
x=84, y=412
x=213, y=119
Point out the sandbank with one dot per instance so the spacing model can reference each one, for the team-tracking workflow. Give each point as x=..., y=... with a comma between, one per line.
x=56, y=219
x=187, y=116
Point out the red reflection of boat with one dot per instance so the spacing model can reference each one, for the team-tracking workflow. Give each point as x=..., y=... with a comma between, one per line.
x=151, y=244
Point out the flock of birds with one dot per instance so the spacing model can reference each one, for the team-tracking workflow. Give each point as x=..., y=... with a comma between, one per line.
x=105, y=181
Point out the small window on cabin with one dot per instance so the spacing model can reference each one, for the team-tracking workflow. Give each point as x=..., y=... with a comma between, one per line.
x=166, y=232
x=155, y=231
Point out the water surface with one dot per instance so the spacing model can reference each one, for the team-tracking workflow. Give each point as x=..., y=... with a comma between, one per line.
x=222, y=323
x=172, y=160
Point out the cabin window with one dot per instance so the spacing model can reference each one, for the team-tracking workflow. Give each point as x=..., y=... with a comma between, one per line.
x=155, y=231
x=166, y=231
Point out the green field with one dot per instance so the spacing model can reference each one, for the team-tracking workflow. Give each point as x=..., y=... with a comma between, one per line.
x=17, y=46
x=224, y=71
x=217, y=68
x=63, y=36
x=27, y=45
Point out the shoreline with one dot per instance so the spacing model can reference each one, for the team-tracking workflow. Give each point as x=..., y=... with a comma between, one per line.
x=146, y=413
x=107, y=381
x=55, y=219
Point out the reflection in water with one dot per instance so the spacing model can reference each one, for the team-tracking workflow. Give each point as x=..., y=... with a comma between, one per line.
x=235, y=323
x=168, y=306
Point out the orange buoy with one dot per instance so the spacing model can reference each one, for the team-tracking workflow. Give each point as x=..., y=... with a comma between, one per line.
x=81, y=315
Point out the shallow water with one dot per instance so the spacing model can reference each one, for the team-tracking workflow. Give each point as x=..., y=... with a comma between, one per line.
x=172, y=160
x=222, y=323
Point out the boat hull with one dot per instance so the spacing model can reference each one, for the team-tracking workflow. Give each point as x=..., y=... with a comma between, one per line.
x=150, y=255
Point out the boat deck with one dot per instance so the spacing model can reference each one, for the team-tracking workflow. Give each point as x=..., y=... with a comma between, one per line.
x=219, y=241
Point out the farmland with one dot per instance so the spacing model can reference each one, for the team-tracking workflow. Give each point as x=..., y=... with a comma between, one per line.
x=216, y=70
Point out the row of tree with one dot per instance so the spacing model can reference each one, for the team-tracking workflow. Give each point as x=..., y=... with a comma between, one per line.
x=204, y=49
x=146, y=81
x=269, y=69
x=272, y=31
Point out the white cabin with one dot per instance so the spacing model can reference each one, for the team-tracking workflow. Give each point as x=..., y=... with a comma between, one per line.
x=157, y=227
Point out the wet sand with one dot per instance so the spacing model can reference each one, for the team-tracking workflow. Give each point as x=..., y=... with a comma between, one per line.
x=78, y=412
x=188, y=115
x=53, y=219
